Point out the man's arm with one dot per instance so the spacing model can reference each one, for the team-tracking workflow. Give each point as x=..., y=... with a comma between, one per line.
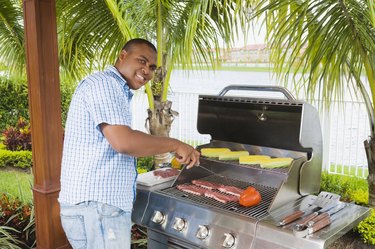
x=125, y=140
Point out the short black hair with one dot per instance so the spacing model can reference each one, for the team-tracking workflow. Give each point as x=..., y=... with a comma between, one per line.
x=138, y=41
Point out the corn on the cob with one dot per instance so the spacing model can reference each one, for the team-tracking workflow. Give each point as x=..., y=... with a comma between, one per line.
x=233, y=155
x=253, y=159
x=278, y=162
x=213, y=152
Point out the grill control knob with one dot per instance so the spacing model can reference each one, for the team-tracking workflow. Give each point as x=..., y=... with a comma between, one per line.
x=202, y=232
x=179, y=224
x=229, y=240
x=158, y=217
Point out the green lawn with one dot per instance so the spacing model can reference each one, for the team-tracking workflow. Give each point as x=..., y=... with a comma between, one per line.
x=241, y=68
x=16, y=183
x=351, y=171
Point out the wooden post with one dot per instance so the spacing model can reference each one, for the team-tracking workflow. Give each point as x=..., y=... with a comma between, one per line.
x=45, y=113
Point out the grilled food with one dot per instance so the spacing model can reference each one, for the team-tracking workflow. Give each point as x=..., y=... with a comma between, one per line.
x=192, y=189
x=213, y=152
x=252, y=159
x=233, y=155
x=232, y=190
x=278, y=162
x=206, y=184
x=266, y=161
x=250, y=197
x=220, y=196
x=210, y=193
x=164, y=173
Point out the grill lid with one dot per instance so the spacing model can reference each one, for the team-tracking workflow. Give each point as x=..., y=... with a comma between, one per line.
x=277, y=123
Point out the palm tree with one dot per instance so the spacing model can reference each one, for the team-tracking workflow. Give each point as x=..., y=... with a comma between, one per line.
x=184, y=31
x=12, y=51
x=331, y=43
x=90, y=34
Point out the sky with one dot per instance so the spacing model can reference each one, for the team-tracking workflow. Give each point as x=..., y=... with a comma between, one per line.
x=252, y=39
x=254, y=36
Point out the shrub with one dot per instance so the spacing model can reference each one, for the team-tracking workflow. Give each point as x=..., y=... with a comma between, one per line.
x=18, y=220
x=139, y=236
x=18, y=159
x=66, y=91
x=366, y=229
x=144, y=164
x=360, y=196
x=14, y=101
x=19, y=137
x=352, y=189
x=7, y=240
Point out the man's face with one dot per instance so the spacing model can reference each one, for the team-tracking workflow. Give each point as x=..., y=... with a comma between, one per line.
x=137, y=65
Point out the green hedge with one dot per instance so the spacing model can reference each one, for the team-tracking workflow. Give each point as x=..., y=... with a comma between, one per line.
x=18, y=159
x=14, y=101
x=366, y=229
x=352, y=189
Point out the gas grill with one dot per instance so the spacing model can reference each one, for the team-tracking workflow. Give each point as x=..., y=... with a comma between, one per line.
x=273, y=127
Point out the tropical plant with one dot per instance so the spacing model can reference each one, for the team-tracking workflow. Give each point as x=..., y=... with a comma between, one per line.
x=326, y=47
x=7, y=239
x=92, y=32
x=12, y=50
x=138, y=236
x=14, y=101
x=19, y=137
x=17, y=221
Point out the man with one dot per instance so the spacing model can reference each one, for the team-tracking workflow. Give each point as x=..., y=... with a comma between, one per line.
x=98, y=172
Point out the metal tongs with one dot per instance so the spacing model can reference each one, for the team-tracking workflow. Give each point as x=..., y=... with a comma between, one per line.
x=324, y=199
x=315, y=216
x=212, y=172
x=319, y=222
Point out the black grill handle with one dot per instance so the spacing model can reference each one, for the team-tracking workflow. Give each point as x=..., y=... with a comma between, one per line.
x=283, y=90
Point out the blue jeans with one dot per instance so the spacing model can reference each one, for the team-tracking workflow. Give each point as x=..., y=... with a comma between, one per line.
x=94, y=225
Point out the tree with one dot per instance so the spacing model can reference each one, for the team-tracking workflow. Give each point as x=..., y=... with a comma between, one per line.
x=91, y=33
x=12, y=50
x=185, y=32
x=332, y=45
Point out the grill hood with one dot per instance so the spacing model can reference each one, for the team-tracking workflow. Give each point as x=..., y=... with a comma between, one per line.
x=284, y=124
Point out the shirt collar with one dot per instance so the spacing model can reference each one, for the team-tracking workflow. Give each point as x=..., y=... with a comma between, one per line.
x=113, y=70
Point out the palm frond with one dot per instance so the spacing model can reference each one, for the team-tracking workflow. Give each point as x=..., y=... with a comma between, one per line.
x=90, y=34
x=319, y=39
x=7, y=241
x=12, y=52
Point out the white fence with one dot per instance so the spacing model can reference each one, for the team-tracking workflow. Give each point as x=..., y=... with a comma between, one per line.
x=345, y=126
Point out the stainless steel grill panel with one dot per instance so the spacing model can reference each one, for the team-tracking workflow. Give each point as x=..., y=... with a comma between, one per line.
x=258, y=211
x=254, y=166
x=277, y=128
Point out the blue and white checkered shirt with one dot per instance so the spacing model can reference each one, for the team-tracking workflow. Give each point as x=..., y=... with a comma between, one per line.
x=91, y=169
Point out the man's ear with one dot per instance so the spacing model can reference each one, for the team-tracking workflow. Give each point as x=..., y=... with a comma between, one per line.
x=122, y=55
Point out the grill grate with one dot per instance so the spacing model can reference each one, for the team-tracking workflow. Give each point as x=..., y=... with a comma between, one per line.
x=284, y=170
x=258, y=211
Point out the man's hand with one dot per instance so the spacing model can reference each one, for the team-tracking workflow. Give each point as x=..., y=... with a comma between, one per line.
x=125, y=140
x=186, y=154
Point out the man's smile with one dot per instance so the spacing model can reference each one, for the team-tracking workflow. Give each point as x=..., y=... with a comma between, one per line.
x=140, y=77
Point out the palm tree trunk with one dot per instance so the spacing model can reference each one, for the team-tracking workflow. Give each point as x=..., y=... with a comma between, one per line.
x=159, y=123
x=370, y=153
